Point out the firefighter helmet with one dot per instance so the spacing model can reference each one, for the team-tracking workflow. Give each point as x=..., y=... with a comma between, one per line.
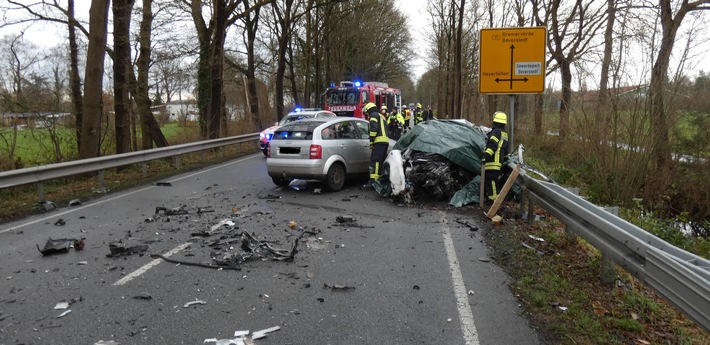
x=383, y=107
x=500, y=117
x=419, y=105
x=368, y=107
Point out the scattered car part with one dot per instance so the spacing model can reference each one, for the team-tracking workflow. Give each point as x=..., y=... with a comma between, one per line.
x=57, y=246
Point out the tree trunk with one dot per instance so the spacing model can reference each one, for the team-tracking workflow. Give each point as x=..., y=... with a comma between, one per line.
x=566, y=72
x=93, y=77
x=217, y=68
x=604, y=110
x=458, y=110
x=251, y=26
x=75, y=81
x=284, y=23
x=122, y=49
x=149, y=126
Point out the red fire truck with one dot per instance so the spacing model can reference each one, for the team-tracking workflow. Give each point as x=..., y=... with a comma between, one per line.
x=348, y=98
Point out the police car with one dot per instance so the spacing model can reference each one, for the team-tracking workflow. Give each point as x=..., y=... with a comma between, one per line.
x=296, y=115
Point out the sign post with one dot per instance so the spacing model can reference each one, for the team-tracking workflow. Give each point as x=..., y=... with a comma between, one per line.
x=512, y=61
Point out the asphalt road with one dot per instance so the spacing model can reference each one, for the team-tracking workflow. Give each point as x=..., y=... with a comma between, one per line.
x=396, y=275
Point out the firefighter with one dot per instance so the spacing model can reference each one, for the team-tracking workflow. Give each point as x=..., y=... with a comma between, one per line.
x=493, y=155
x=418, y=113
x=379, y=142
x=395, y=122
x=407, y=116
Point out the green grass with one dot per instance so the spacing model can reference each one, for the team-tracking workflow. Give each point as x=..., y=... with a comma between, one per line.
x=34, y=147
x=567, y=275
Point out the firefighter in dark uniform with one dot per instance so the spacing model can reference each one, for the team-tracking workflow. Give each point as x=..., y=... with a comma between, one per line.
x=493, y=155
x=379, y=142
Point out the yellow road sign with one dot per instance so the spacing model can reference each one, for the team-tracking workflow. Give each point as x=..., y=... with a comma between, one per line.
x=512, y=60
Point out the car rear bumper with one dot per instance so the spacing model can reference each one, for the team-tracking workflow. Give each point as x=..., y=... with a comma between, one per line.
x=295, y=168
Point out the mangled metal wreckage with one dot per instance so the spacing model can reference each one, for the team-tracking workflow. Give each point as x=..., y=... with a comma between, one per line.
x=437, y=160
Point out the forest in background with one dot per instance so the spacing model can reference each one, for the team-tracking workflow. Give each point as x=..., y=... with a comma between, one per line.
x=620, y=73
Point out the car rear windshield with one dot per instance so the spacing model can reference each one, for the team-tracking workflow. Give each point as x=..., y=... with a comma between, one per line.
x=302, y=130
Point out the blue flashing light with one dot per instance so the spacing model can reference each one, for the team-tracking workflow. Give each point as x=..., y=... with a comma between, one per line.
x=332, y=84
x=358, y=83
x=298, y=109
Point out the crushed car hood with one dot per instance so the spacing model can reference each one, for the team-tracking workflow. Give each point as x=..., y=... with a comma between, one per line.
x=459, y=142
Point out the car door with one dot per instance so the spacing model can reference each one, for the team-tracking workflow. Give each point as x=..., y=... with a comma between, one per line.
x=348, y=141
x=362, y=145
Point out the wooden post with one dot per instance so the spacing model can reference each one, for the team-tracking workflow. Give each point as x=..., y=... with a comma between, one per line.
x=506, y=188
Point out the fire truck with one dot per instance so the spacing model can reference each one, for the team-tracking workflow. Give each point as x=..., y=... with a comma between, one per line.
x=348, y=98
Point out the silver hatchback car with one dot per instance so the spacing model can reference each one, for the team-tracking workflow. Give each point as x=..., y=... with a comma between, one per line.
x=319, y=149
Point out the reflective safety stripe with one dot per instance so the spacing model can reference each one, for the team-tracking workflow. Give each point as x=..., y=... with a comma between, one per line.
x=381, y=135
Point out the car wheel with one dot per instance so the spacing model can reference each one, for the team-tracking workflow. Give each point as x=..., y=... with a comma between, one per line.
x=335, y=180
x=280, y=181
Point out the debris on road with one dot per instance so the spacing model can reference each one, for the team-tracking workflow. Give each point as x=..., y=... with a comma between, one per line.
x=171, y=212
x=57, y=246
x=264, y=332
x=144, y=296
x=120, y=249
x=254, y=249
x=60, y=222
x=75, y=202
x=467, y=224
x=338, y=287
x=164, y=184
x=61, y=306
x=48, y=205
x=194, y=303
x=63, y=314
x=344, y=219
x=214, y=228
x=79, y=244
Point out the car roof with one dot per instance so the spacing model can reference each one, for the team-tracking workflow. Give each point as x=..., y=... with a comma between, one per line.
x=312, y=123
x=310, y=112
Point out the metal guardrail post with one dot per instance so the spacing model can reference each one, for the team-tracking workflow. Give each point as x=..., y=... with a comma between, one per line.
x=40, y=190
x=144, y=169
x=608, y=269
x=571, y=235
x=102, y=184
x=177, y=162
x=203, y=155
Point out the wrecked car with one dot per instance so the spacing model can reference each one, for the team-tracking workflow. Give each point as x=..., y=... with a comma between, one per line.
x=439, y=159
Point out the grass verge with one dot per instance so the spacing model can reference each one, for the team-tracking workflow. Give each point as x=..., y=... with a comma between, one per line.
x=557, y=282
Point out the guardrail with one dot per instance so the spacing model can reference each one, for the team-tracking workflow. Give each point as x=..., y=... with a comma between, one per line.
x=38, y=175
x=680, y=277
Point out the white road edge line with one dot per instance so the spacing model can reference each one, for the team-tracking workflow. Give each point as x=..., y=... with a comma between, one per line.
x=146, y=267
x=468, y=328
x=74, y=209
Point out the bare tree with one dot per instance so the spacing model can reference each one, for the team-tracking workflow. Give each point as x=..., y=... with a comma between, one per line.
x=122, y=48
x=75, y=79
x=93, y=78
x=151, y=133
x=671, y=20
x=572, y=32
x=211, y=58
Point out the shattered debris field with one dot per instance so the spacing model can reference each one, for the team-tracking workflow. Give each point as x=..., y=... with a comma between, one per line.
x=221, y=256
